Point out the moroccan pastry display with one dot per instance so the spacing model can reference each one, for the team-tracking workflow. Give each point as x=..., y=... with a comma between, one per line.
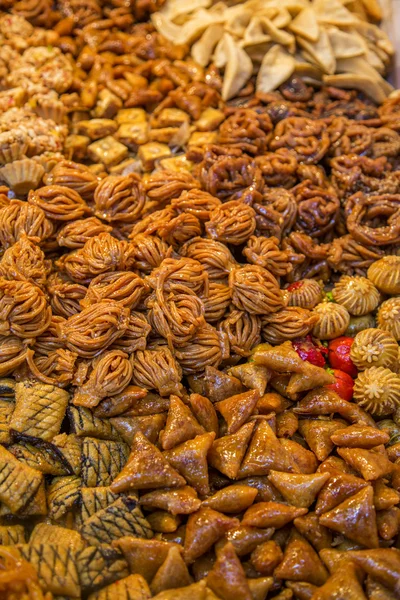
x=199, y=308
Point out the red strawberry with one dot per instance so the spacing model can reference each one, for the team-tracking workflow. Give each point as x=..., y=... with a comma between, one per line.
x=309, y=351
x=339, y=355
x=343, y=385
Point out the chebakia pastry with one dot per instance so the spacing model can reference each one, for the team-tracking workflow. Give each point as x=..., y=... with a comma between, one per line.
x=199, y=302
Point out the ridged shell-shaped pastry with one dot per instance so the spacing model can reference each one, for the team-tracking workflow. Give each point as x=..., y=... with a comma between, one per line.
x=385, y=274
x=287, y=324
x=357, y=294
x=333, y=320
x=305, y=293
x=374, y=348
x=22, y=175
x=377, y=390
x=388, y=316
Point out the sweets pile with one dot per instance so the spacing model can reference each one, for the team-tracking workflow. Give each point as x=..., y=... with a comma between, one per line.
x=199, y=321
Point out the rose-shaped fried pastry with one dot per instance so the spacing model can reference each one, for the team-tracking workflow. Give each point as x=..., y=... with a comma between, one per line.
x=180, y=229
x=305, y=293
x=100, y=254
x=229, y=177
x=333, y=320
x=246, y=129
x=150, y=224
x=388, y=316
x=197, y=203
x=75, y=176
x=377, y=390
x=374, y=348
x=215, y=257
x=309, y=258
x=385, y=274
x=49, y=340
x=355, y=138
x=353, y=173
x=255, y=290
x=20, y=217
x=242, y=332
x=276, y=212
x=135, y=336
x=25, y=261
x=122, y=286
x=75, y=234
x=94, y=329
x=308, y=139
x=179, y=276
x=374, y=220
x=59, y=203
x=13, y=353
x=23, y=309
x=55, y=368
x=350, y=257
x=218, y=300
x=176, y=317
x=233, y=223
x=119, y=198
x=157, y=370
x=317, y=209
x=148, y=252
x=65, y=295
x=287, y=324
x=202, y=351
x=82, y=13
x=357, y=294
x=112, y=372
x=265, y=252
x=163, y=186
x=278, y=168
x=385, y=142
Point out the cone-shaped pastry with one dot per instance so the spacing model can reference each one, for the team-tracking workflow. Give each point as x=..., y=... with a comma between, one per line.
x=301, y=563
x=180, y=501
x=322, y=401
x=355, y=518
x=144, y=556
x=265, y=453
x=253, y=376
x=309, y=526
x=318, y=435
x=311, y=377
x=196, y=591
x=146, y=469
x=304, y=460
x=301, y=589
x=388, y=523
x=181, y=425
x=271, y=514
x=237, y=409
x=173, y=573
x=298, y=489
x=339, y=487
x=384, y=496
x=190, y=460
x=162, y=521
x=246, y=539
x=372, y=464
x=149, y=425
x=382, y=564
x=359, y=436
x=344, y=579
x=232, y=499
x=203, y=529
x=226, y=453
x=260, y=586
x=219, y=385
x=266, y=557
x=204, y=412
x=227, y=578
x=282, y=358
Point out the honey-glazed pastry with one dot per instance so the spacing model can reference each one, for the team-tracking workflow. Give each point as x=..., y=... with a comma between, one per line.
x=135, y=335
x=148, y=252
x=232, y=223
x=350, y=257
x=157, y=370
x=73, y=175
x=18, y=218
x=287, y=324
x=265, y=252
x=65, y=295
x=180, y=229
x=215, y=257
x=75, y=234
x=122, y=286
x=357, y=294
x=55, y=368
x=217, y=301
x=163, y=187
x=317, y=209
x=374, y=219
x=377, y=390
x=242, y=331
x=374, y=348
x=247, y=130
x=179, y=275
x=306, y=293
x=385, y=274
x=307, y=139
x=176, y=317
x=388, y=316
x=59, y=203
x=333, y=320
x=119, y=198
x=203, y=350
x=25, y=261
x=276, y=212
x=22, y=175
x=255, y=290
x=13, y=352
x=196, y=202
x=229, y=177
x=23, y=308
x=278, y=168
